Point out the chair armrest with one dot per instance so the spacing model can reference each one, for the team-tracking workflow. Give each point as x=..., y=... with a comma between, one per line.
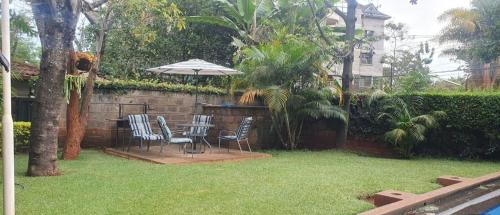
x=178, y=131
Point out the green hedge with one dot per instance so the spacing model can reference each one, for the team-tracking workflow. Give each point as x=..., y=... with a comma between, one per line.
x=470, y=130
x=21, y=134
x=153, y=85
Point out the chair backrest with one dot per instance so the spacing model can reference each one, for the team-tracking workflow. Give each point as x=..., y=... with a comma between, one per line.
x=167, y=134
x=140, y=125
x=201, y=120
x=244, y=128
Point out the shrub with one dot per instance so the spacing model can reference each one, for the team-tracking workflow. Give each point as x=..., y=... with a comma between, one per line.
x=470, y=130
x=21, y=134
x=159, y=86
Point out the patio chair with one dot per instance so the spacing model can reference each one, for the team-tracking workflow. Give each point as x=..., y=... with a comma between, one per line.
x=168, y=136
x=141, y=129
x=200, y=132
x=241, y=134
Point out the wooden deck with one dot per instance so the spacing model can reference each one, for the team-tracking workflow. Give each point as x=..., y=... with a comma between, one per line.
x=172, y=155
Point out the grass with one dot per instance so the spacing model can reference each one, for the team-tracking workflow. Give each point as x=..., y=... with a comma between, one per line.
x=328, y=182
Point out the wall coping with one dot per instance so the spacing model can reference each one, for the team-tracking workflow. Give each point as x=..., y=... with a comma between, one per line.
x=210, y=106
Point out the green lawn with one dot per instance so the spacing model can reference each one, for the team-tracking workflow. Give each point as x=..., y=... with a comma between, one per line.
x=326, y=182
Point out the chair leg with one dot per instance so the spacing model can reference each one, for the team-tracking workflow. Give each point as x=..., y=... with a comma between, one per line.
x=239, y=145
x=149, y=143
x=192, y=150
x=219, y=144
x=161, y=146
x=140, y=147
x=248, y=144
x=208, y=144
x=129, y=143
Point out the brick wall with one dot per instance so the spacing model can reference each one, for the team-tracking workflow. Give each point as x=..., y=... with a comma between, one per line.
x=175, y=107
x=229, y=118
x=178, y=108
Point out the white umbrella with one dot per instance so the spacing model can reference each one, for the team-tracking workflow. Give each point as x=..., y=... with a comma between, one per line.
x=195, y=67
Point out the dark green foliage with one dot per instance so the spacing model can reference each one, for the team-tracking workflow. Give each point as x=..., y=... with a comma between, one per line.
x=470, y=130
x=118, y=85
x=127, y=56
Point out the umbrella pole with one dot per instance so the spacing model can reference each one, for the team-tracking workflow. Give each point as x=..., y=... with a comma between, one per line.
x=196, y=71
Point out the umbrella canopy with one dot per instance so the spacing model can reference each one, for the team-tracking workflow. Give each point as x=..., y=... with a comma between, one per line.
x=194, y=67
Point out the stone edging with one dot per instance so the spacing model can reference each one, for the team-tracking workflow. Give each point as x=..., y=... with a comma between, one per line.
x=419, y=200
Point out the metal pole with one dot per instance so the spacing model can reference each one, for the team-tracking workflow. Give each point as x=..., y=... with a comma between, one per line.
x=196, y=73
x=8, y=127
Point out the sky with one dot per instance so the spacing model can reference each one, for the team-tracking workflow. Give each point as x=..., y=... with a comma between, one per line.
x=421, y=20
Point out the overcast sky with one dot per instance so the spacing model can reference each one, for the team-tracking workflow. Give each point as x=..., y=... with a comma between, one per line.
x=421, y=20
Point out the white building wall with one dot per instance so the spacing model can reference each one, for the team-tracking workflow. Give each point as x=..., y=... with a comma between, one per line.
x=359, y=69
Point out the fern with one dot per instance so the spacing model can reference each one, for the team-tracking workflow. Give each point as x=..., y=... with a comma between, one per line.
x=73, y=82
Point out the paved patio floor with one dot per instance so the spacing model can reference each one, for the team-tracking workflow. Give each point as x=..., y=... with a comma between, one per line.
x=172, y=155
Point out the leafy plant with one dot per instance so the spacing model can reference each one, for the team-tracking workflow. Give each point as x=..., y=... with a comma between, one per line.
x=118, y=85
x=73, y=82
x=287, y=76
x=407, y=130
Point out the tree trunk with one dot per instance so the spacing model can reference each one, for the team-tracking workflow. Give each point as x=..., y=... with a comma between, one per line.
x=347, y=78
x=77, y=114
x=75, y=131
x=56, y=22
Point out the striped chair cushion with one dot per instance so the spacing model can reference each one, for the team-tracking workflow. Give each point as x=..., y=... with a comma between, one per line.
x=244, y=128
x=164, y=128
x=141, y=128
x=200, y=120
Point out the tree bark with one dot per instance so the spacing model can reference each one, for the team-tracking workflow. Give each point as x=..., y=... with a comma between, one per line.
x=74, y=128
x=347, y=78
x=78, y=113
x=56, y=21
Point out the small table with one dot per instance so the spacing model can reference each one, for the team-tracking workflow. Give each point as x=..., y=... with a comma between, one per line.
x=120, y=124
x=194, y=151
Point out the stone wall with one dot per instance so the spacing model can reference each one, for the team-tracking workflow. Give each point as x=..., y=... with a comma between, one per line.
x=175, y=107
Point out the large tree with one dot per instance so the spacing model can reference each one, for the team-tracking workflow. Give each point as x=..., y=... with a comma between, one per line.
x=56, y=22
x=78, y=108
x=474, y=35
x=77, y=112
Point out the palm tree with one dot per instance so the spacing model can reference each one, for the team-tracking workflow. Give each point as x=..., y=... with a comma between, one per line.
x=242, y=17
x=287, y=76
x=475, y=38
x=407, y=130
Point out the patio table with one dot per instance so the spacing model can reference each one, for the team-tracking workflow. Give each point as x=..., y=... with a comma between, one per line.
x=191, y=125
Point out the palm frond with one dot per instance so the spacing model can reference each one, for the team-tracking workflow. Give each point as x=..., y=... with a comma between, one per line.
x=376, y=95
x=395, y=136
x=426, y=120
x=275, y=98
x=213, y=20
x=439, y=114
x=337, y=91
x=417, y=131
x=251, y=95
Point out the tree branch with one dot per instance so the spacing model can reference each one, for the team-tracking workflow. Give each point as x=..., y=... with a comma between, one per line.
x=95, y=4
x=340, y=13
x=316, y=21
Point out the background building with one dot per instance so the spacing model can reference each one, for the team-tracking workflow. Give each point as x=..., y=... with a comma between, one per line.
x=367, y=66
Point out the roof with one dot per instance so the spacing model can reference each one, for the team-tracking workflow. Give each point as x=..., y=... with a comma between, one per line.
x=25, y=70
x=370, y=10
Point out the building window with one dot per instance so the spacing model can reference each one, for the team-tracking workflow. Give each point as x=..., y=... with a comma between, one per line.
x=365, y=81
x=369, y=33
x=367, y=57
